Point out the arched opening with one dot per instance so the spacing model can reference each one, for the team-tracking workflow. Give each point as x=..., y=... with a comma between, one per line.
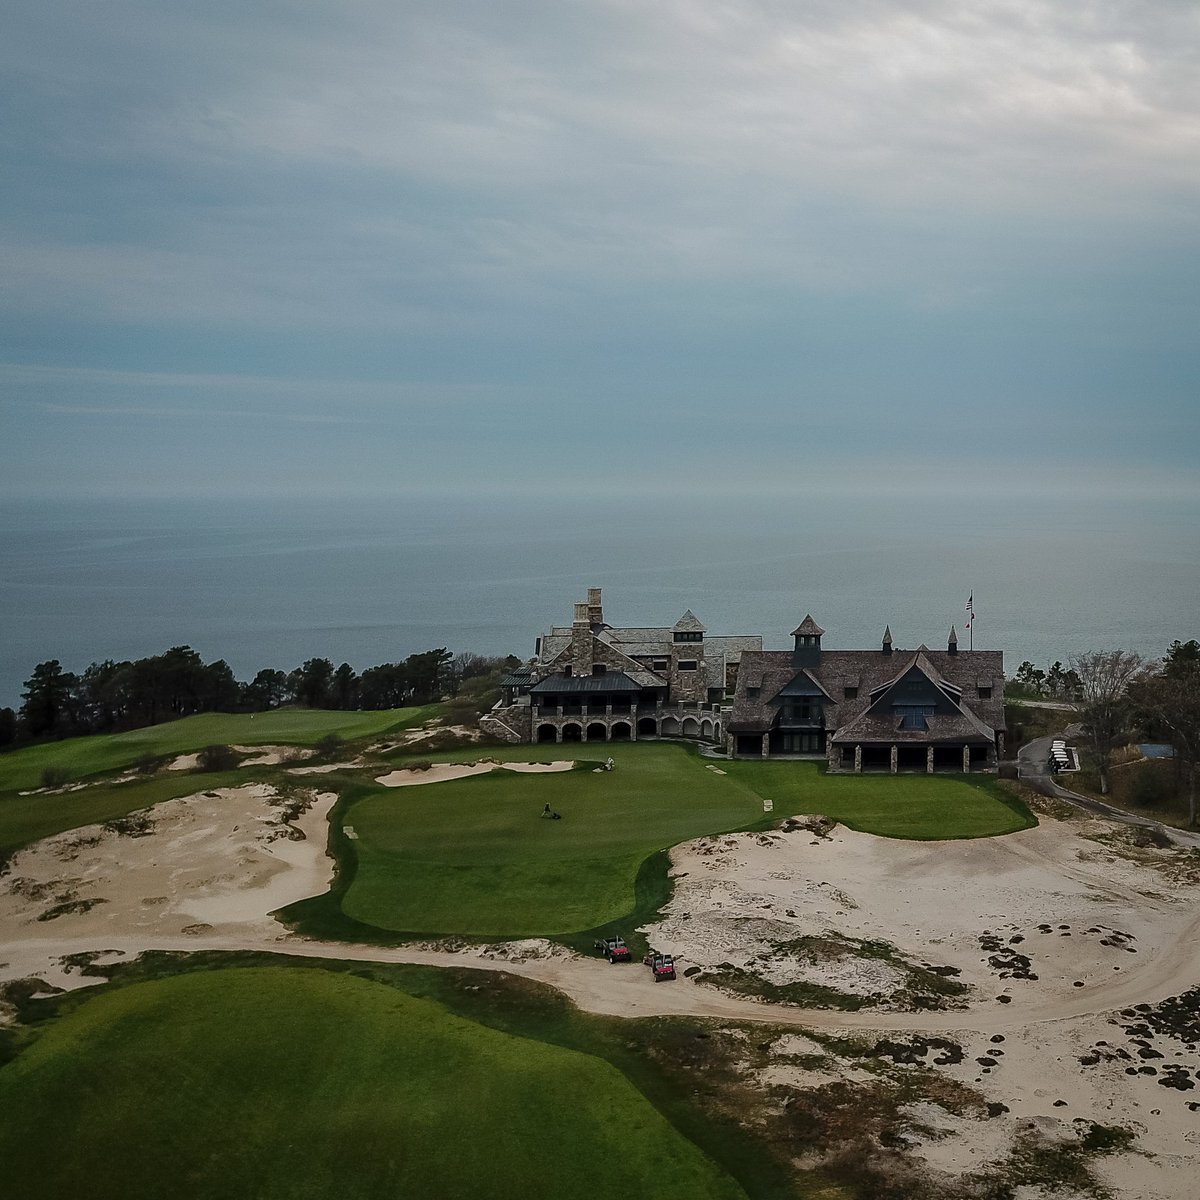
x=706, y=730
x=669, y=727
x=691, y=727
x=545, y=733
x=717, y=730
x=621, y=732
x=597, y=732
x=647, y=727
x=572, y=733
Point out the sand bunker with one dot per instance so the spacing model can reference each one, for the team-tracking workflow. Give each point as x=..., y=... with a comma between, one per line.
x=442, y=772
x=225, y=858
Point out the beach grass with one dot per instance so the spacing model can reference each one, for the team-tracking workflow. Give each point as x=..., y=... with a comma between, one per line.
x=85, y=757
x=473, y=857
x=281, y=1082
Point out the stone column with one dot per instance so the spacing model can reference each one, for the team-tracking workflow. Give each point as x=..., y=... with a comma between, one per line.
x=830, y=751
x=895, y=763
x=1000, y=746
x=929, y=760
x=858, y=760
x=633, y=726
x=558, y=733
x=966, y=760
x=766, y=745
x=583, y=728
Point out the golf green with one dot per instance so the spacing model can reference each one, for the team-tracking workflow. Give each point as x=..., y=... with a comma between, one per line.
x=474, y=857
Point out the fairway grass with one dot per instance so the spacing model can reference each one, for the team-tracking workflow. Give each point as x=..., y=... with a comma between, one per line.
x=279, y=1082
x=82, y=757
x=472, y=857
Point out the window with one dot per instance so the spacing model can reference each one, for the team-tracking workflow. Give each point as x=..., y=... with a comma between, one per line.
x=985, y=692
x=598, y=668
x=567, y=669
x=660, y=664
x=688, y=635
x=687, y=664
x=912, y=716
x=850, y=693
x=800, y=743
x=752, y=692
x=805, y=709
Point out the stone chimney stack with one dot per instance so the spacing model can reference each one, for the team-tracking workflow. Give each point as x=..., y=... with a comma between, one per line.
x=887, y=639
x=595, y=611
x=581, y=641
x=952, y=642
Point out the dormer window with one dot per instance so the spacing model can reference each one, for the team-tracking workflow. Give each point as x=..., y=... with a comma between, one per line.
x=688, y=635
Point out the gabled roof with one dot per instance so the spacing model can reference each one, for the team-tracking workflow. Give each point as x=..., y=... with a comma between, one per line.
x=688, y=623
x=803, y=685
x=807, y=628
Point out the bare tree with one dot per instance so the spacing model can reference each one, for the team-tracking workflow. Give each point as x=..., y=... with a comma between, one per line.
x=1172, y=701
x=1105, y=708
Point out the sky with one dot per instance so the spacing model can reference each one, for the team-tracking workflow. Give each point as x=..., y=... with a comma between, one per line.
x=547, y=247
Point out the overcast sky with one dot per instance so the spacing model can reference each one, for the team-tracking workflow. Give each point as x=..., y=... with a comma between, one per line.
x=663, y=244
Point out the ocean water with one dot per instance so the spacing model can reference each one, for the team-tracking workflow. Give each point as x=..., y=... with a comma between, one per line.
x=271, y=583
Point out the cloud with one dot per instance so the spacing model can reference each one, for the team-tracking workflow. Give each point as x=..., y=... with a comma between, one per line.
x=873, y=227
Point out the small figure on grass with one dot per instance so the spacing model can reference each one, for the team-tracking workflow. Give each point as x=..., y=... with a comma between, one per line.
x=546, y=811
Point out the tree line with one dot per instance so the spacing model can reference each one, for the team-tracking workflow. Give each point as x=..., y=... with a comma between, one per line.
x=1119, y=694
x=111, y=696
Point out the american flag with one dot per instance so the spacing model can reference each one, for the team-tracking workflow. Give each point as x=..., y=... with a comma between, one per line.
x=970, y=610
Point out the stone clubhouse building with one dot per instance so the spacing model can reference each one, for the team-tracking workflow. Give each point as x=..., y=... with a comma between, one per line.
x=861, y=710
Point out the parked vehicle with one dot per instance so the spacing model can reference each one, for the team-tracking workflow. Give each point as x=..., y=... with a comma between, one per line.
x=614, y=949
x=662, y=966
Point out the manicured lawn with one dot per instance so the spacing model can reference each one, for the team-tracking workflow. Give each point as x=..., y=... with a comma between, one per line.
x=85, y=756
x=474, y=857
x=278, y=1083
x=920, y=807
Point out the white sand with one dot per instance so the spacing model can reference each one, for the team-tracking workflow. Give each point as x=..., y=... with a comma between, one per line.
x=224, y=858
x=441, y=772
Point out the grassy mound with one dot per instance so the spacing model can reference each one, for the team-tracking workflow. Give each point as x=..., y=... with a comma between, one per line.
x=277, y=1082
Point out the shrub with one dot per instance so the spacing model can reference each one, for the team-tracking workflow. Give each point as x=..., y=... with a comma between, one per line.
x=55, y=777
x=216, y=758
x=329, y=745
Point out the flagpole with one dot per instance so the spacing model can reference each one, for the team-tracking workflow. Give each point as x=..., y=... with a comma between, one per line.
x=972, y=627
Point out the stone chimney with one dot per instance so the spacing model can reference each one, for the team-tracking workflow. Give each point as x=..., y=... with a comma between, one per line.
x=581, y=641
x=952, y=642
x=887, y=639
x=594, y=609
